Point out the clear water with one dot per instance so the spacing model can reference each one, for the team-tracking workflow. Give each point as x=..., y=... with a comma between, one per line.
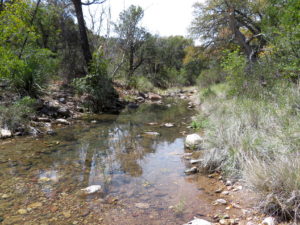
x=142, y=176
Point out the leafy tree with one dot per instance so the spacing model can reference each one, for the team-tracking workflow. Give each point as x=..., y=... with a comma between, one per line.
x=219, y=22
x=131, y=37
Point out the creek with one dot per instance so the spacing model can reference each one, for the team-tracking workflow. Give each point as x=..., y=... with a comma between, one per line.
x=141, y=175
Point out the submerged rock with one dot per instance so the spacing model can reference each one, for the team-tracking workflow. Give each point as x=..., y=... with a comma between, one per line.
x=91, y=189
x=198, y=221
x=193, y=141
x=152, y=133
x=5, y=133
x=141, y=205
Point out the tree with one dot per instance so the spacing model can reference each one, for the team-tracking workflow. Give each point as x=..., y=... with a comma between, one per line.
x=219, y=22
x=131, y=37
x=82, y=28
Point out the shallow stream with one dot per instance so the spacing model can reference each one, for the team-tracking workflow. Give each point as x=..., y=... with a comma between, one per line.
x=142, y=176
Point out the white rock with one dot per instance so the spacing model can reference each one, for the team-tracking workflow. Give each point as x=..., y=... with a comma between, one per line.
x=152, y=133
x=193, y=141
x=220, y=202
x=5, y=133
x=191, y=170
x=197, y=221
x=269, y=221
x=63, y=121
x=195, y=161
x=169, y=125
x=91, y=189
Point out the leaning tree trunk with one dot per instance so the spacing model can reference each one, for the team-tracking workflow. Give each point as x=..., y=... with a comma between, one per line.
x=82, y=31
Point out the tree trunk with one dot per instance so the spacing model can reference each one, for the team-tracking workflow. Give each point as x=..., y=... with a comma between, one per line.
x=82, y=31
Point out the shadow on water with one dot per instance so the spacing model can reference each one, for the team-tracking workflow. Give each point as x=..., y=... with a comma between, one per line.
x=141, y=175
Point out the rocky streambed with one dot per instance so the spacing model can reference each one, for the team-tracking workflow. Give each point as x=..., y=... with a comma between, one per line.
x=115, y=169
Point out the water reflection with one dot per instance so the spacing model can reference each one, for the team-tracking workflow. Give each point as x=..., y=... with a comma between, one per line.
x=112, y=153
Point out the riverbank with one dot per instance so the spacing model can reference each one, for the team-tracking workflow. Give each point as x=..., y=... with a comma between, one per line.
x=255, y=139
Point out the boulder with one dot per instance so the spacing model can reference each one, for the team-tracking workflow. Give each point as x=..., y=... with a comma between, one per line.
x=193, y=141
x=197, y=221
x=5, y=133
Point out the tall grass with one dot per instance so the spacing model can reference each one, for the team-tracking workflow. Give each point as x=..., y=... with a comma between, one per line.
x=258, y=139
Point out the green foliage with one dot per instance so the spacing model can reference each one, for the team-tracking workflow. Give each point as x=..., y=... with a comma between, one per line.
x=28, y=72
x=96, y=86
x=16, y=114
x=210, y=77
x=234, y=65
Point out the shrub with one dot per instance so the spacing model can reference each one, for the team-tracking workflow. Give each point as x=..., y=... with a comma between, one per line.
x=97, y=86
x=12, y=116
x=210, y=77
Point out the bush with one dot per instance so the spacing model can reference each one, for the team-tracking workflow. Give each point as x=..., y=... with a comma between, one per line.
x=96, y=86
x=12, y=116
x=141, y=83
x=210, y=77
x=30, y=74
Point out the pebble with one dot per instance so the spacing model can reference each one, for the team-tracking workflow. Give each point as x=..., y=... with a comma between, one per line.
x=225, y=193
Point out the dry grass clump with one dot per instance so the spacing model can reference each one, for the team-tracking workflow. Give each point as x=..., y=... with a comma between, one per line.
x=258, y=140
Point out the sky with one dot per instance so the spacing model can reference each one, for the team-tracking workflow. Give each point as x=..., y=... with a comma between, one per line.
x=162, y=17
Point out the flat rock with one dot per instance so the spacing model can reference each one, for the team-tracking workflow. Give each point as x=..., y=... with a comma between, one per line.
x=169, y=125
x=154, y=97
x=195, y=161
x=152, y=133
x=142, y=205
x=62, y=121
x=198, y=221
x=220, y=202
